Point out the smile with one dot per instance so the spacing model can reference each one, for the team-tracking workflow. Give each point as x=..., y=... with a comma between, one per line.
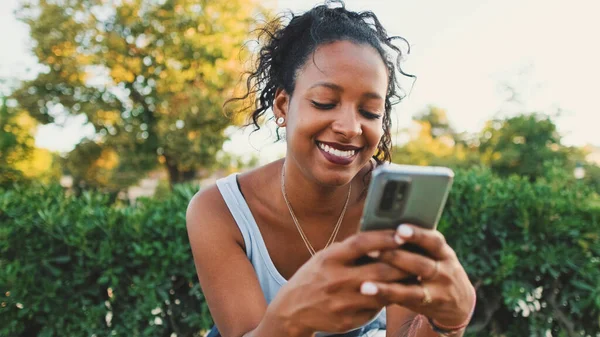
x=338, y=156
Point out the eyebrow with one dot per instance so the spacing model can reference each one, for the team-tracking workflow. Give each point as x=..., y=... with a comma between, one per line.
x=337, y=88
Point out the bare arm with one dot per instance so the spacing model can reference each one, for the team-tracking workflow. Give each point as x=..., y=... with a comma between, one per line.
x=227, y=278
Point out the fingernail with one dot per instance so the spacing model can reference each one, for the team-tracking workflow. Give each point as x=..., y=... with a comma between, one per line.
x=374, y=254
x=398, y=239
x=368, y=288
x=405, y=231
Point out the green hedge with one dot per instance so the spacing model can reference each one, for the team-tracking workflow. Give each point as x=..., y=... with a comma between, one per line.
x=66, y=263
x=532, y=249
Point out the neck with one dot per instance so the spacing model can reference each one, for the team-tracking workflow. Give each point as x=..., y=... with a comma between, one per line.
x=309, y=199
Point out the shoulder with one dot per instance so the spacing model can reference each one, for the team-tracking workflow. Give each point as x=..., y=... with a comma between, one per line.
x=208, y=218
x=208, y=198
x=258, y=184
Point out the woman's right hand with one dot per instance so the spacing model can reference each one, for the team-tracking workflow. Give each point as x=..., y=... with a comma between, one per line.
x=325, y=293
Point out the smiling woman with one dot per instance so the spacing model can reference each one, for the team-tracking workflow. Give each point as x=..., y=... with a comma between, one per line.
x=276, y=248
x=333, y=119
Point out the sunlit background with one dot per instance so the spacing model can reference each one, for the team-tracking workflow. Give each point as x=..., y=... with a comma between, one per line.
x=111, y=119
x=465, y=53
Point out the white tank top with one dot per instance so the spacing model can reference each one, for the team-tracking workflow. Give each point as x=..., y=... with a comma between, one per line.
x=268, y=276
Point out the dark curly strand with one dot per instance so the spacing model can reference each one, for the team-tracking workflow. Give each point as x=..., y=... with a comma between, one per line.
x=287, y=47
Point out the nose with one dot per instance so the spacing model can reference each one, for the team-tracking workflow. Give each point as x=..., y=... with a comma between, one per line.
x=347, y=124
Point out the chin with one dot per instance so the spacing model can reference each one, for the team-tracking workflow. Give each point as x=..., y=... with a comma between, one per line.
x=339, y=175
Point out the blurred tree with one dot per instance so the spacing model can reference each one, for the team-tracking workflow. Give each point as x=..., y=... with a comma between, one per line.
x=19, y=158
x=589, y=162
x=523, y=145
x=91, y=166
x=151, y=77
x=437, y=118
x=433, y=141
x=42, y=165
x=592, y=177
x=16, y=142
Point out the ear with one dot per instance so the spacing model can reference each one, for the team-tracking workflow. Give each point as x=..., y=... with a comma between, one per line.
x=281, y=104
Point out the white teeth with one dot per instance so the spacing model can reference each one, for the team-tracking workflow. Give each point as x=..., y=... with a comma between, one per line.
x=335, y=152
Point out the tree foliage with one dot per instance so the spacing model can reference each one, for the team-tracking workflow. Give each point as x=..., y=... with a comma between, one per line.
x=433, y=141
x=150, y=76
x=523, y=145
x=437, y=119
x=592, y=176
x=93, y=167
x=16, y=142
x=20, y=159
x=526, y=145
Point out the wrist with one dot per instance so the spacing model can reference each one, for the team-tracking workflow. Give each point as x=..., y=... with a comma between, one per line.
x=456, y=328
x=446, y=331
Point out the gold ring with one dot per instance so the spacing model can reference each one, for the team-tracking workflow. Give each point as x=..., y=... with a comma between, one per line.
x=436, y=270
x=426, y=296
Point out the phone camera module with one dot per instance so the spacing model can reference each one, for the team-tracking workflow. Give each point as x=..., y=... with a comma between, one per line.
x=393, y=195
x=401, y=190
x=389, y=192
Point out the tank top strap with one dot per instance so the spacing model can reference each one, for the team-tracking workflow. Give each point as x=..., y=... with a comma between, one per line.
x=235, y=201
x=256, y=249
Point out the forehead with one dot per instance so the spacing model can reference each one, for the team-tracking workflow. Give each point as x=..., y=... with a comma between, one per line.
x=346, y=64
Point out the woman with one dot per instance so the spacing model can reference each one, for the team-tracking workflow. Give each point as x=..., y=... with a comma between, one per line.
x=275, y=248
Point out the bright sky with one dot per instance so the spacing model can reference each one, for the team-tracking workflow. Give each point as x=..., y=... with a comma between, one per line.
x=462, y=52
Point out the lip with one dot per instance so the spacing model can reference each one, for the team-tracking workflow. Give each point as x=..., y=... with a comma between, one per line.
x=335, y=159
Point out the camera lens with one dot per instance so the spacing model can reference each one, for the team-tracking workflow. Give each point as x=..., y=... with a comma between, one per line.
x=387, y=199
x=401, y=190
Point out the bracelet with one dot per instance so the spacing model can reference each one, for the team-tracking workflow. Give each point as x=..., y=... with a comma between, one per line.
x=445, y=332
x=448, y=331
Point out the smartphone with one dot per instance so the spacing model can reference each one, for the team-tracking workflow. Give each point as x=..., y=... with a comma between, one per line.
x=409, y=194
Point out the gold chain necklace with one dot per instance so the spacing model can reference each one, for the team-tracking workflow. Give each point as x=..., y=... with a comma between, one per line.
x=336, y=229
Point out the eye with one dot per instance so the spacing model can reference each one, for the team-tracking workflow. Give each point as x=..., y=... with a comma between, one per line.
x=323, y=106
x=369, y=115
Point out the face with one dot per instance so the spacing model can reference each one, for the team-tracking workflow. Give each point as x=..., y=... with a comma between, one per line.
x=333, y=120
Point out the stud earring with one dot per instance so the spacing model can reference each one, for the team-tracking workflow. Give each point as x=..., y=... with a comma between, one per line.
x=280, y=121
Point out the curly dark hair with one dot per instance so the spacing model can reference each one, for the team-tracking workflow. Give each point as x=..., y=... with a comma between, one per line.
x=286, y=48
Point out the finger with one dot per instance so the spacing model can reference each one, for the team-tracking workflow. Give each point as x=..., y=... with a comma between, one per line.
x=430, y=240
x=410, y=296
x=361, y=244
x=356, y=301
x=410, y=263
x=379, y=271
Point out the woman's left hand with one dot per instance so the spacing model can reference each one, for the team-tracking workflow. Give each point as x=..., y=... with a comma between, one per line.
x=444, y=294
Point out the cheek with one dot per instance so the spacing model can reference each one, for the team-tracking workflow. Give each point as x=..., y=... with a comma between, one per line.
x=296, y=117
x=374, y=134
x=300, y=126
x=306, y=122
